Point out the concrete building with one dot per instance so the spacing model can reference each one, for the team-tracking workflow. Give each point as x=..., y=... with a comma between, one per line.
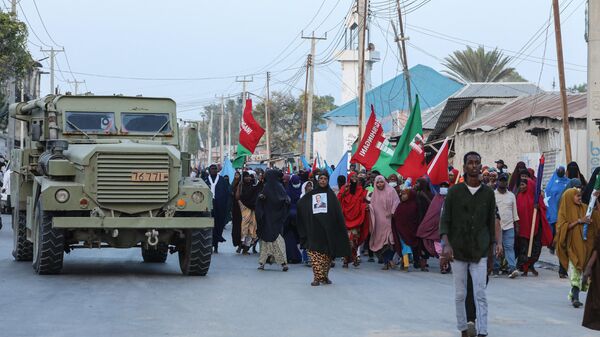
x=522, y=130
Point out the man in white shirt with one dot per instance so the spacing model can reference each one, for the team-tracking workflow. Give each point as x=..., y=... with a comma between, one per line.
x=509, y=220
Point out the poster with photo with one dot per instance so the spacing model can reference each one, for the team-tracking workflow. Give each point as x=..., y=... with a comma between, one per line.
x=319, y=202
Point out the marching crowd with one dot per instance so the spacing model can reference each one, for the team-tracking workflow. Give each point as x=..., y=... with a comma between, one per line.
x=485, y=222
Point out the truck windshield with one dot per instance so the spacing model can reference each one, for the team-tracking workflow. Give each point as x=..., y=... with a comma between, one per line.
x=158, y=123
x=90, y=122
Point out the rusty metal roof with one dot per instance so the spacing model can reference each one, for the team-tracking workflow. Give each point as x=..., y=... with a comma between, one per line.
x=544, y=105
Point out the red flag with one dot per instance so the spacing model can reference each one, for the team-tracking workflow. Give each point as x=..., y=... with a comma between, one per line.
x=250, y=130
x=314, y=167
x=374, y=152
x=438, y=168
x=414, y=166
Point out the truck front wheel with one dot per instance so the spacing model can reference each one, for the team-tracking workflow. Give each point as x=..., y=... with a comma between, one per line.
x=195, y=251
x=49, y=245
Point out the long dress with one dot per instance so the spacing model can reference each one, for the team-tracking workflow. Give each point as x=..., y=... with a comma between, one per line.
x=591, y=314
x=248, y=196
x=236, y=215
x=290, y=230
x=322, y=230
x=354, y=208
x=383, y=205
x=271, y=214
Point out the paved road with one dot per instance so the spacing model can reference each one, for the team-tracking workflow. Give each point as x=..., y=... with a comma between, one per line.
x=112, y=293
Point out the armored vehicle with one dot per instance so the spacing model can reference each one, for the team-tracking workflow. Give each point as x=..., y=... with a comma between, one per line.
x=105, y=171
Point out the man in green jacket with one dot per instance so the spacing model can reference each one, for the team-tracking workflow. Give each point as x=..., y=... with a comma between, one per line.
x=467, y=231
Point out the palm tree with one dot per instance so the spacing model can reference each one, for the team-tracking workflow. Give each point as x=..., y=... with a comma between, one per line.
x=477, y=65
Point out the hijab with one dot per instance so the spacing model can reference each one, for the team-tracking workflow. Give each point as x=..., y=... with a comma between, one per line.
x=271, y=207
x=525, y=206
x=303, y=189
x=516, y=176
x=405, y=221
x=570, y=244
x=322, y=232
x=456, y=177
x=586, y=194
x=383, y=205
x=554, y=190
x=249, y=192
x=574, y=172
x=352, y=199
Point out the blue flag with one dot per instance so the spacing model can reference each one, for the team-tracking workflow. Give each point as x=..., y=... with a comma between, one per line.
x=340, y=170
x=305, y=163
x=227, y=170
x=328, y=168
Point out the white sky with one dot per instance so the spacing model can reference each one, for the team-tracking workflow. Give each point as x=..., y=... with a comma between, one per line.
x=198, y=39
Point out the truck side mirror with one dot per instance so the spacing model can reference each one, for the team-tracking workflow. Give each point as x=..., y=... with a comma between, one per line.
x=36, y=131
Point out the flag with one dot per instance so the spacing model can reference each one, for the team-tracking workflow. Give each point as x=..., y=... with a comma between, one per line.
x=340, y=170
x=290, y=168
x=438, y=168
x=411, y=135
x=227, y=170
x=353, y=150
x=374, y=151
x=314, y=167
x=250, y=134
x=538, y=183
x=305, y=163
x=328, y=168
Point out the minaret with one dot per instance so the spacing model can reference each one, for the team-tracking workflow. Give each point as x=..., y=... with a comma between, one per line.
x=349, y=58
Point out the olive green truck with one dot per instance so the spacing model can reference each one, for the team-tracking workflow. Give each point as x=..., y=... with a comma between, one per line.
x=105, y=171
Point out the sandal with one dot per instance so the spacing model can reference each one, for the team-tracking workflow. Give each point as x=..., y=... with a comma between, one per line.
x=327, y=281
x=261, y=267
x=315, y=283
x=285, y=267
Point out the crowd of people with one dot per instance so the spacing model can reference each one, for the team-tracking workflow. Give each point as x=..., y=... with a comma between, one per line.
x=485, y=222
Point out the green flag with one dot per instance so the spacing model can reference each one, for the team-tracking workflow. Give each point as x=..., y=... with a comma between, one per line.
x=412, y=128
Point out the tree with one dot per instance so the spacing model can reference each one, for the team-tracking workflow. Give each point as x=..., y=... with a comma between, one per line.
x=578, y=88
x=477, y=65
x=285, y=112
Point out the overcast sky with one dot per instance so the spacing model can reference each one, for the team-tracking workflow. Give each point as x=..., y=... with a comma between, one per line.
x=202, y=45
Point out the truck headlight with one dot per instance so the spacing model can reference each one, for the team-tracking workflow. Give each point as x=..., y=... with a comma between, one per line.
x=62, y=196
x=197, y=197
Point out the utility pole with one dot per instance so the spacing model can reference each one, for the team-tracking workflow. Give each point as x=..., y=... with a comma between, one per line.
x=13, y=8
x=76, y=83
x=593, y=84
x=52, y=55
x=400, y=40
x=222, y=134
x=309, y=100
x=362, y=8
x=304, y=111
x=267, y=119
x=229, y=113
x=210, y=133
x=561, y=80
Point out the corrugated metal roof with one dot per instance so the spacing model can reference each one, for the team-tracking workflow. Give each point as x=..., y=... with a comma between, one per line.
x=462, y=99
x=547, y=105
x=498, y=89
x=431, y=86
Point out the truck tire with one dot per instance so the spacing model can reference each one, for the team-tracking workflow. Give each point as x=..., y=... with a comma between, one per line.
x=23, y=248
x=195, y=252
x=156, y=254
x=49, y=247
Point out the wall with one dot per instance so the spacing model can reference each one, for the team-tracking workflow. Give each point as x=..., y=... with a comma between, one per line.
x=516, y=144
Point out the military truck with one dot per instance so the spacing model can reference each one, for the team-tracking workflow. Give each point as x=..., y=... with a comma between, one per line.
x=105, y=171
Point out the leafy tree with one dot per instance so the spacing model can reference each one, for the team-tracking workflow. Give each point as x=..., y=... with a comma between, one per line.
x=578, y=88
x=285, y=112
x=479, y=65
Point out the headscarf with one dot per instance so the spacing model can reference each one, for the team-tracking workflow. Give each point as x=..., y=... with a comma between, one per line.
x=353, y=204
x=532, y=174
x=429, y=228
x=294, y=193
x=405, y=222
x=554, y=190
x=249, y=192
x=456, y=177
x=570, y=244
x=383, y=205
x=303, y=189
x=516, y=176
x=574, y=172
x=271, y=207
x=323, y=232
x=525, y=205
x=586, y=194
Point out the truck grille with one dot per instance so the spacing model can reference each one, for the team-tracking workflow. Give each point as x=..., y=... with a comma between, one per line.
x=114, y=178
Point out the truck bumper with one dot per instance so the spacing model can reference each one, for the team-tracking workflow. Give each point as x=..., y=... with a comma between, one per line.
x=133, y=223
